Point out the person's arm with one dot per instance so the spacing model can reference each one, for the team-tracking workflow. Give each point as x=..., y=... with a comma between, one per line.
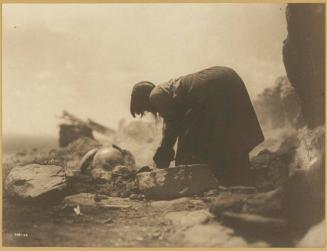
x=169, y=133
x=165, y=152
x=164, y=105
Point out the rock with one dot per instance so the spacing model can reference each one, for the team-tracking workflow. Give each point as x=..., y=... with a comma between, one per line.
x=133, y=196
x=178, y=204
x=254, y=222
x=242, y=189
x=212, y=192
x=34, y=180
x=144, y=169
x=131, y=187
x=304, y=58
x=303, y=195
x=100, y=197
x=89, y=200
x=136, y=196
x=108, y=221
x=186, y=219
x=115, y=206
x=176, y=182
x=314, y=238
x=271, y=169
x=270, y=229
x=82, y=199
x=267, y=204
x=226, y=201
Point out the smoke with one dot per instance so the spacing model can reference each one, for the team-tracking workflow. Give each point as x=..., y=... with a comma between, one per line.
x=279, y=113
x=141, y=137
x=278, y=106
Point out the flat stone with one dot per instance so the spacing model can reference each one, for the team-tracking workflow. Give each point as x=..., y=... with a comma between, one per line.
x=176, y=182
x=186, y=219
x=143, y=169
x=267, y=203
x=178, y=203
x=253, y=221
x=95, y=200
x=242, y=189
x=212, y=192
x=82, y=199
x=136, y=196
x=226, y=201
x=34, y=180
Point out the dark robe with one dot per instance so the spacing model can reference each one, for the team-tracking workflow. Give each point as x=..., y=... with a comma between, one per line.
x=211, y=115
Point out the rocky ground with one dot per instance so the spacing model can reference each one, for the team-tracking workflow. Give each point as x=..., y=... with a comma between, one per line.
x=74, y=196
x=183, y=222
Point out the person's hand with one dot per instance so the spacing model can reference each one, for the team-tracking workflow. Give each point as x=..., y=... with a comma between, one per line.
x=163, y=157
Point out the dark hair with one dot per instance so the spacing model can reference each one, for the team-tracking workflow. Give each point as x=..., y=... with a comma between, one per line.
x=140, y=97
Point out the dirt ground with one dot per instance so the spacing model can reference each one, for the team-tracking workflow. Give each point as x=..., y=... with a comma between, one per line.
x=144, y=224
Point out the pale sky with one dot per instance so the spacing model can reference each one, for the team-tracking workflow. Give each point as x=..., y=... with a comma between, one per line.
x=85, y=58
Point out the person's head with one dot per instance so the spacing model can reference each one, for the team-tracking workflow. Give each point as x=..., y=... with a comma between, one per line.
x=140, y=102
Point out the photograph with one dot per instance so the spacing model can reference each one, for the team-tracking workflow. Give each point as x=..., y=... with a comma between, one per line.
x=163, y=125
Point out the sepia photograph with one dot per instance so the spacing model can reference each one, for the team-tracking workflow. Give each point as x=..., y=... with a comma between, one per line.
x=198, y=125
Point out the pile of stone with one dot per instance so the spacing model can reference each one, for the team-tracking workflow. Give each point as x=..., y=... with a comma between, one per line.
x=75, y=162
x=270, y=169
x=86, y=166
x=285, y=213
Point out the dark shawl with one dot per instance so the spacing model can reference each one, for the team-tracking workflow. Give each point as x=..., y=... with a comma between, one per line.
x=208, y=110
